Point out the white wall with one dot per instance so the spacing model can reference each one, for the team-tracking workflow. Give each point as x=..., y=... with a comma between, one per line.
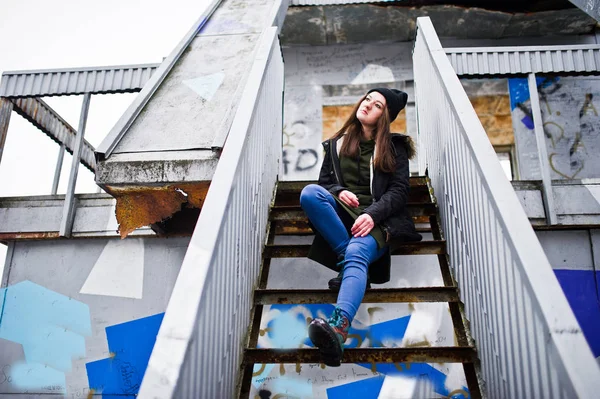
x=346, y=70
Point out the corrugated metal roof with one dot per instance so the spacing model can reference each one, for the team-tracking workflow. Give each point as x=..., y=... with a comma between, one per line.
x=48, y=121
x=519, y=60
x=333, y=2
x=95, y=80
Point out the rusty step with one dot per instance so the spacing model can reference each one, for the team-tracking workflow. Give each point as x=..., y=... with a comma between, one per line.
x=294, y=212
x=288, y=193
x=436, y=247
x=379, y=295
x=301, y=227
x=433, y=354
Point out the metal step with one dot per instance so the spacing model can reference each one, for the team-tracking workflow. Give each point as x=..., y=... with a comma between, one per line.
x=379, y=295
x=288, y=193
x=433, y=354
x=294, y=212
x=301, y=227
x=436, y=247
x=287, y=218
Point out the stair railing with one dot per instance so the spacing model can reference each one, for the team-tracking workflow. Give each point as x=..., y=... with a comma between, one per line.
x=198, y=350
x=529, y=342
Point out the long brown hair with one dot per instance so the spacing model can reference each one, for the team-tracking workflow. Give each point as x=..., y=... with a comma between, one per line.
x=352, y=131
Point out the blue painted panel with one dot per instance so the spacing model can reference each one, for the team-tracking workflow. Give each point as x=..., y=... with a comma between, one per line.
x=288, y=329
x=130, y=345
x=365, y=389
x=50, y=327
x=581, y=291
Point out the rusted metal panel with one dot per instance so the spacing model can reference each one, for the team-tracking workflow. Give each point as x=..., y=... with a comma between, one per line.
x=139, y=206
x=29, y=236
x=5, y=110
x=69, y=81
x=409, y=248
x=42, y=116
x=520, y=60
x=381, y=295
x=365, y=355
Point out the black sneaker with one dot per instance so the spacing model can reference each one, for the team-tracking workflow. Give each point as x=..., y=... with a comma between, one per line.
x=336, y=282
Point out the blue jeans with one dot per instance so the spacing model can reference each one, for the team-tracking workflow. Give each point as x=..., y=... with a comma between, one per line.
x=324, y=213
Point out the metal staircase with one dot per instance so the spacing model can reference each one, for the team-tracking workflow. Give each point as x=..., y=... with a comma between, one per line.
x=528, y=341
x=287, y=219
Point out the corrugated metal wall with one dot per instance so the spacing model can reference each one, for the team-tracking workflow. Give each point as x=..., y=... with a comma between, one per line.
x=95, y=80
x=519, y=60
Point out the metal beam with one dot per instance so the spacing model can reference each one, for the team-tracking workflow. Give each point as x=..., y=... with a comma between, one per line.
x=58, y=169
x=380, y=295
x=66, y=224
x=435, y=247
x=42, y=116
x=5, y=109
x=60, y=82
x=438, y=354
x=540, y=139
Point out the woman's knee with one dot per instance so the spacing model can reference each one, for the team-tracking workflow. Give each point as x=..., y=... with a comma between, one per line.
x=310, y=193
x=360, y=249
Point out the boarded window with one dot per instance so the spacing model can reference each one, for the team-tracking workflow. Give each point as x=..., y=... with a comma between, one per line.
x=334, y=117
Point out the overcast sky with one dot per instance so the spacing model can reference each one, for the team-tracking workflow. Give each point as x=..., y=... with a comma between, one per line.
x=47, y=34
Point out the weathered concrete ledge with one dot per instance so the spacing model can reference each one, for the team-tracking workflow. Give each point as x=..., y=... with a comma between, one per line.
x=577, y=202
x=39, y=217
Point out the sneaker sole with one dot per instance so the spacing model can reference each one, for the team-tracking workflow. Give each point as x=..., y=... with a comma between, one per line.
x=326, y=341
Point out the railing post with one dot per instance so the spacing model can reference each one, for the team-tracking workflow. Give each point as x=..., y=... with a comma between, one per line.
x=59, y=163
x=6, y=107
x=66, y=224
x=538, y=124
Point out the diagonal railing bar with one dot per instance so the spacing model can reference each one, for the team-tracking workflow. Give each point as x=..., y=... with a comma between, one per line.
x=198, y=351
x=528, y=339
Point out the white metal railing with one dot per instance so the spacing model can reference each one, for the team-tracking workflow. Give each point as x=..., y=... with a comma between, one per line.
x=199, y=346
x=528, y=339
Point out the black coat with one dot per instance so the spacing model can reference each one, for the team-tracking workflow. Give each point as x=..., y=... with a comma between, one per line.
x=388, y=210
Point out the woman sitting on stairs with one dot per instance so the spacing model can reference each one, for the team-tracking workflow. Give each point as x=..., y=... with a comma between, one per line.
x=358, y=210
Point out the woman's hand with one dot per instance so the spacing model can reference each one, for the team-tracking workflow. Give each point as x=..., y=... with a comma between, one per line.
x=362, y=225
x=348, y=198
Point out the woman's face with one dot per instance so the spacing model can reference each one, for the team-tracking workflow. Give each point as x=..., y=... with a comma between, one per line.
x=370, y=109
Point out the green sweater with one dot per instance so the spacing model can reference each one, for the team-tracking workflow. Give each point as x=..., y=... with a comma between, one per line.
x=356, y=173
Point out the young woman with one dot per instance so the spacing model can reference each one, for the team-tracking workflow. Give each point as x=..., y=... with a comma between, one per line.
x=358, y=210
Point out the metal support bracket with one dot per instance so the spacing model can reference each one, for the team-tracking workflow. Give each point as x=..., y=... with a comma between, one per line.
x=66, y=224
x=540, y=140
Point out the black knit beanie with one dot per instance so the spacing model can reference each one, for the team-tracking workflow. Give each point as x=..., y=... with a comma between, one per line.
x=395, y=99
